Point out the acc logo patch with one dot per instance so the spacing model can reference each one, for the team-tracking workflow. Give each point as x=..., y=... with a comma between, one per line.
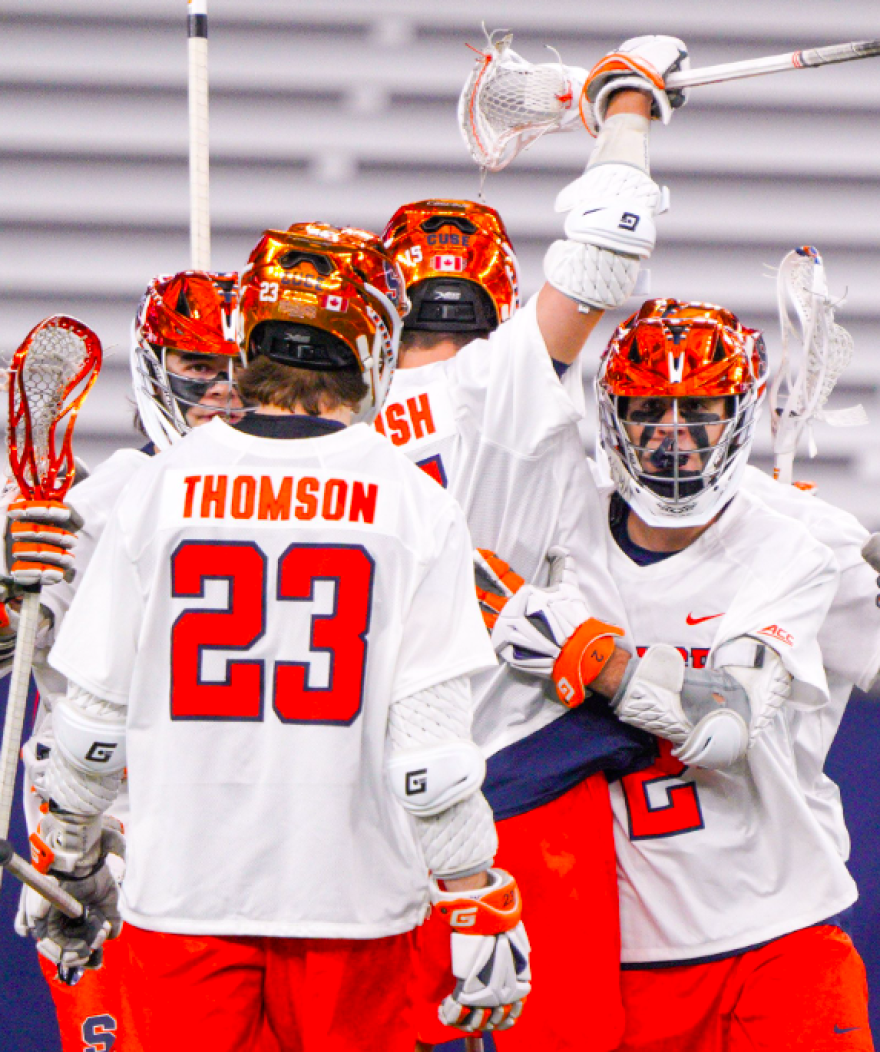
x=778, y=633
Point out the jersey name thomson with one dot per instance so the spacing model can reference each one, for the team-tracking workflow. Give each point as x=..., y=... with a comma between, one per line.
x=257, y=605
x=274, y=497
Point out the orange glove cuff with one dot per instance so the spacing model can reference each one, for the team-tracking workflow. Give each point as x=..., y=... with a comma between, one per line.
x=491, y=603
x=582, y=659
x=617, y=62
x=498, y=911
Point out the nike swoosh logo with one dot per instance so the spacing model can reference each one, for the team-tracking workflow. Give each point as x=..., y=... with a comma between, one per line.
x=691, y=620
x=845, y=1029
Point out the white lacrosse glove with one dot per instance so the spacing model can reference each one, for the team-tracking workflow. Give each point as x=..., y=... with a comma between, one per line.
x=74, y=850
x=490, y=954
x=712, y=715
x=8, y=633
x=496, y=582
x=640, y=64
x=42, y=533
x=9, y=619
x=549, y=632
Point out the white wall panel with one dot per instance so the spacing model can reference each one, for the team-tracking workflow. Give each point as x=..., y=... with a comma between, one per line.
x=342, y=110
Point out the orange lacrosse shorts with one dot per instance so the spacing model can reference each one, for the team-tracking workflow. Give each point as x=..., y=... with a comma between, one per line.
x=562, y=856
x=219, y=993
x=95, y=1014
x=805, y=992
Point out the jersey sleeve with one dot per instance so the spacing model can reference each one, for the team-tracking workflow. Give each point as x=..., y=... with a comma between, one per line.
x=850, y=635
x=444, y=635
x=93, y=500
x=786, y=589
x=508, y=386
x=98, y=640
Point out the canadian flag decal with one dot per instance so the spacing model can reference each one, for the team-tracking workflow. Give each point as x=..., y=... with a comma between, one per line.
x=337, y=303
x=448, y=263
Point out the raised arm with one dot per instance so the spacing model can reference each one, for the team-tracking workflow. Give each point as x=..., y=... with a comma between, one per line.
x=609, y=224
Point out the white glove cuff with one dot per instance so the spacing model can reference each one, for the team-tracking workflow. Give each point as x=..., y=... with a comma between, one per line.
x=660, y=107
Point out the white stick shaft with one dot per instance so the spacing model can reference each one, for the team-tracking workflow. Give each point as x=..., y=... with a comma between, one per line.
x=756, y=67
x=473, y=1043
x=16, y=704
x=199, y=199
x=25, y=872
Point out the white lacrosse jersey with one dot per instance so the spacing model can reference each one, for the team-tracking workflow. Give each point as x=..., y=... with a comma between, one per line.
x=849, y=638
x=258, y=604
x=715, y=862
x=495, y=426
x=93, y=498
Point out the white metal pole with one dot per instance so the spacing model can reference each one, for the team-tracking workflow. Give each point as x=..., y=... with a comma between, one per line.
x=200, y=210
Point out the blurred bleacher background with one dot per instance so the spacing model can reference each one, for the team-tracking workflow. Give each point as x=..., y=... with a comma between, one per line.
x=342, y=110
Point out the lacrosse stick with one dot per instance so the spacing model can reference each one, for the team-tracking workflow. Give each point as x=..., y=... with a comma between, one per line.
x=199, y=201
x=808, y=376
x=508, y=103
x=50, y=376
x=62, y=900
x=473, y=1044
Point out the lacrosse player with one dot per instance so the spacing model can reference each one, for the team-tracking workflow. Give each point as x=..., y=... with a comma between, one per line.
x=183, y=356
x=478, y=404
x=274, y=638
x=730, y=848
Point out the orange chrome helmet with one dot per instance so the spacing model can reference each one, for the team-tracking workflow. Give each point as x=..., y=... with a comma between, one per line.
x=459, y=266
x=671, y=355
x=194, y=312
x=318, y=297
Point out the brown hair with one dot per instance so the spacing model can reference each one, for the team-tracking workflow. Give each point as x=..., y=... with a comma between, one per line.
x=424, y=340
x=314, y=391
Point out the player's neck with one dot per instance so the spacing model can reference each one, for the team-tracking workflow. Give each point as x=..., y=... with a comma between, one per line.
x=662, y=538
x=413, y=357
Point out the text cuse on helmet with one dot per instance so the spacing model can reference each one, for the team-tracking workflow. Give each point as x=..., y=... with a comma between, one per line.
x=320, y=297
x=680, y=351
x=192, y=312
x=460, y=269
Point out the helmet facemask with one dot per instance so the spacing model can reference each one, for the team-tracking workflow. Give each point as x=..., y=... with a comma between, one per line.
x=194, y=315
x=679, y=393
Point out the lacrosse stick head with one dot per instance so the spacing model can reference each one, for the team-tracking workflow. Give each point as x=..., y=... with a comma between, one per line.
x=508, y=103
x=459, y=266
x=815, y=351
x=326, y=299
x=678, y=389
x=50, y=375
x=194, y=312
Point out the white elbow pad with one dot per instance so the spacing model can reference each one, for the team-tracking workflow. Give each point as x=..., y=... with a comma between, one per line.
x=90, y=742
x=429, y=779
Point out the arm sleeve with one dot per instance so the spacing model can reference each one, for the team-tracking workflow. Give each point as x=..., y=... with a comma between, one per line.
x=444, y=636
x=509, y=388
x=460, y=840
x=98, y=639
